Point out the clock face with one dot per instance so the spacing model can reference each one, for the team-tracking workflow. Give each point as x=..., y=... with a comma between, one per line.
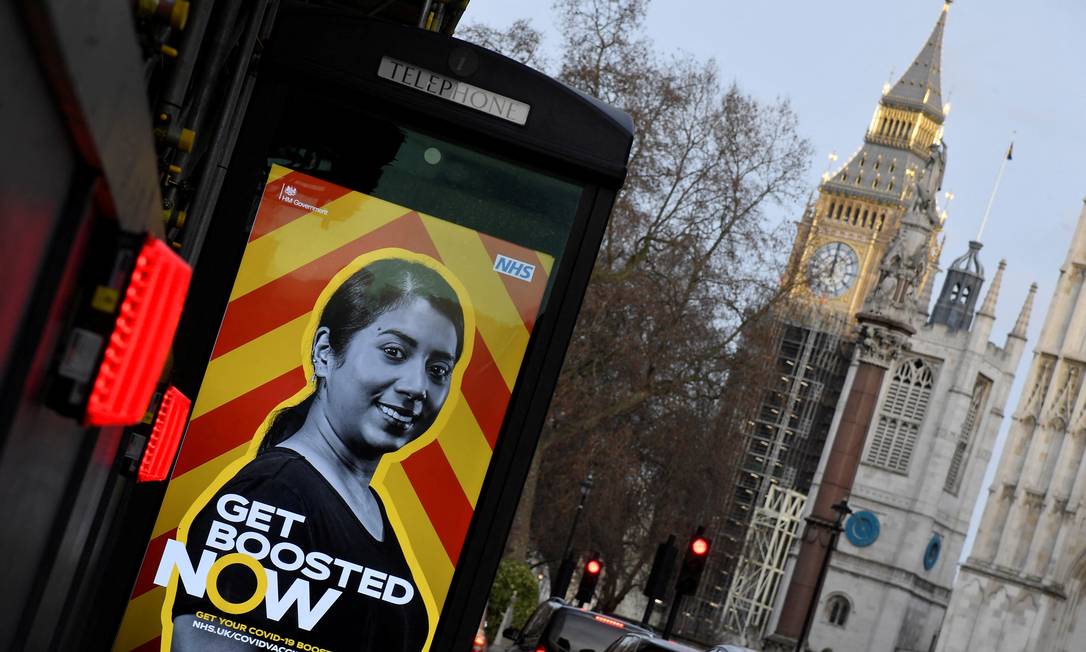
x=833, y=269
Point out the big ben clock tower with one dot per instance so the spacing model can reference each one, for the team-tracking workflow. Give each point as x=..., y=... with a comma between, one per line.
x=843, y=236
x=839, y=245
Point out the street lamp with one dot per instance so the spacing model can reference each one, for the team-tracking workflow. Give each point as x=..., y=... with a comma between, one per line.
x=842, y=511
x=565, y=570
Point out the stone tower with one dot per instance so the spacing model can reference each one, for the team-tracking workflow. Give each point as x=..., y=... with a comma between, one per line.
x=1023, y=587
x=842, y=238
x=956, y=303
x=936, y=419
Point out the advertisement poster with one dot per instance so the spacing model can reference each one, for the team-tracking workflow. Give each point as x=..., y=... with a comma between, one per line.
x=342, y=432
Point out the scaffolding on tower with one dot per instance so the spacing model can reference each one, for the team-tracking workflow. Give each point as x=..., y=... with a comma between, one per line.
x=758, y=573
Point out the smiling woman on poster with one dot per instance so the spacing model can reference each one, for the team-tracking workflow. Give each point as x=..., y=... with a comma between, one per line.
x=383, y=355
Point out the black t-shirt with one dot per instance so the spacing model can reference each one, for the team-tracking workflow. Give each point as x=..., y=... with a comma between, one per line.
x=260, y=511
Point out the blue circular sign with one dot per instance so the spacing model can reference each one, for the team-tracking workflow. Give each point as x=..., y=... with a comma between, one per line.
x=931, y=553
x=862, y=529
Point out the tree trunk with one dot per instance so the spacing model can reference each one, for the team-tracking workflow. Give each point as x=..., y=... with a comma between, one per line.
x=519, y=543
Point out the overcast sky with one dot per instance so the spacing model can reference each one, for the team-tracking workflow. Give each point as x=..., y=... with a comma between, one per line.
x=1008, y=67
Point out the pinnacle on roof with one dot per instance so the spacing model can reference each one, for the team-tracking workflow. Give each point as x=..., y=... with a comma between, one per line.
x=989, y=306
x=1022, y=324
x=920, y=86
x=879, y=169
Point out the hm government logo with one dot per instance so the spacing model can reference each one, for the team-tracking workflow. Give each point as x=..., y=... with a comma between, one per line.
x=512, y=267
x=288, y=194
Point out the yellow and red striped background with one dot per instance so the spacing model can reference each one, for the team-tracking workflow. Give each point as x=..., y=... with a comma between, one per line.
x=257, y=364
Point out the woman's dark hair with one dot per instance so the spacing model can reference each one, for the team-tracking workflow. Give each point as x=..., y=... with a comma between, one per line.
x=370, y=292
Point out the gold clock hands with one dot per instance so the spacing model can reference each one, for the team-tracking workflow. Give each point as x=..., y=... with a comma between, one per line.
x=836, y=256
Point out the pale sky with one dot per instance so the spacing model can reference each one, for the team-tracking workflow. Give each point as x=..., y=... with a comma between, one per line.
x=1008, y=67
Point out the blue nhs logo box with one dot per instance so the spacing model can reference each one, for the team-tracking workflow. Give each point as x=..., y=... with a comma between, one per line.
x=513, y=267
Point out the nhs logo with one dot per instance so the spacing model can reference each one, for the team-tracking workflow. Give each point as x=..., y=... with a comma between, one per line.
x=514, y=268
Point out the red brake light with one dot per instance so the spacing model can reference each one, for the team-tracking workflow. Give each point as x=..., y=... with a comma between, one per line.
x=161, y=448
x=611, y=621
x=699, y=546
x=141, y=337
x=592, y=567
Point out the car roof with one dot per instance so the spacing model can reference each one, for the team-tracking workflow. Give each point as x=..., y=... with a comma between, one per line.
x=662, y=645
x=672, y=646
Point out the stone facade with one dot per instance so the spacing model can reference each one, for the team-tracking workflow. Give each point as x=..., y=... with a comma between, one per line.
x=861, y=217
x=939, y=412
x=936, y=418
x=1022, y=587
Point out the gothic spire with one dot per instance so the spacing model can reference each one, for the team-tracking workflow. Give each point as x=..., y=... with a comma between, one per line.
x=1022, y=324
x=907, y=121
x=920, y=86
x=988, y=308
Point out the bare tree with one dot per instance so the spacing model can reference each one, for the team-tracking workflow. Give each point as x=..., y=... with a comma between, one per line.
x=655, y=376
x=520, y=41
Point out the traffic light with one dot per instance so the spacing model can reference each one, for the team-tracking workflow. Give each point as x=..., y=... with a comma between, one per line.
x=663, y=565
x=697, y=551
x=590, y=576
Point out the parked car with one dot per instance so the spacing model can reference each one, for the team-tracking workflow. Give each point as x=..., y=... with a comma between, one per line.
x=640, y=643
x=559, y=627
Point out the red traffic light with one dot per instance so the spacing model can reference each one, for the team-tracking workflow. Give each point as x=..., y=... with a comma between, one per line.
x=697, y=552
x=586, y=590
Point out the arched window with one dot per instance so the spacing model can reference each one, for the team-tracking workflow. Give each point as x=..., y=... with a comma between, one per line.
x=965, y=434
x=837, y=610
x=902, y=411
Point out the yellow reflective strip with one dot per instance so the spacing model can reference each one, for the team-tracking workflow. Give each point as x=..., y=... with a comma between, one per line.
x=546, y=261
x=466, y=449
x=141, y=621
x=498, y=320
x=186, y=488
x=278, y=172
x=307, y=238
x=426, y=546
x=422, y=548
x=252, y=364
